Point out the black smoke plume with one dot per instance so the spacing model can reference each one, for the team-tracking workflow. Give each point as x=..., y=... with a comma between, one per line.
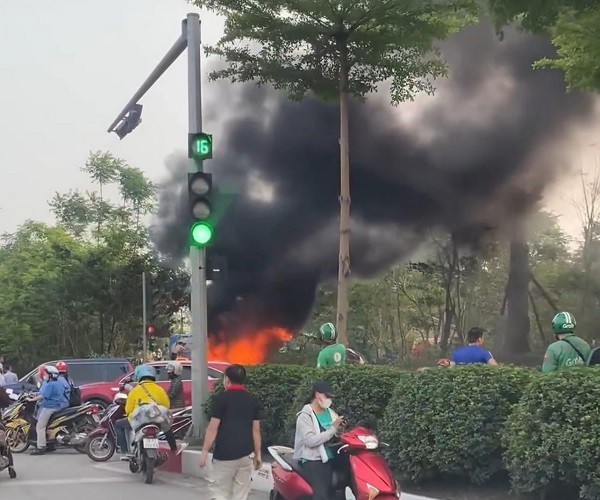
x=473, y=158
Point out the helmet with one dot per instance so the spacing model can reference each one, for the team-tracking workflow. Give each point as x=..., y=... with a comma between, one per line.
x=174, y=367
x=62, y=367
x=563, y=322
x=328, y=333
x=120, y=398
x=52, y=371
x=144, y=371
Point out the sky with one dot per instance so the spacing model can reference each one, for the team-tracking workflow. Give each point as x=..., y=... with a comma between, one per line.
x=67, y=69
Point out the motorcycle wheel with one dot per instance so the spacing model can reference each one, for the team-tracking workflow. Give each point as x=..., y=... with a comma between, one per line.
x=100, y=448
x=85, y=427
x=149, y=472
x=17, y=440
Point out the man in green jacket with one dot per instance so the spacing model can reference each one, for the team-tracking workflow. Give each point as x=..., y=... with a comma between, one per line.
x=334, y=354
x=568, y=350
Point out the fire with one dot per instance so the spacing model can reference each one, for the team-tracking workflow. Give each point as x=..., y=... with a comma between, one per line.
x=248, y=349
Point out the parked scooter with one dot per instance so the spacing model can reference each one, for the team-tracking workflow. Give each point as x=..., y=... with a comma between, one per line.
x=66, y=428
x=359, y=466
x=6, y=459
x=102, y=441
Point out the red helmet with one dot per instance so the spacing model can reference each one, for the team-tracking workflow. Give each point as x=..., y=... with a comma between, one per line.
x=62, y=367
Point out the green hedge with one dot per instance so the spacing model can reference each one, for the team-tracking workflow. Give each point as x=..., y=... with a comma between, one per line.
x=449, y=422
x=553, y=436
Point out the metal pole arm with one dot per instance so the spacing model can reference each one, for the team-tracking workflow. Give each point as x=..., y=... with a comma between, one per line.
x=174, y=52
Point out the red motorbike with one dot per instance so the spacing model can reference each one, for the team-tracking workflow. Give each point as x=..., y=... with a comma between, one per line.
x=102, y=441
x=359, y=466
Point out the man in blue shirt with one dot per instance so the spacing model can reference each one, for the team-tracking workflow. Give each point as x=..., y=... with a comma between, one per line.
x=52, y=397
x=474, y=353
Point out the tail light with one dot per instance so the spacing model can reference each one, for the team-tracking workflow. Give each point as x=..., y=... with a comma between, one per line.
x=95, y=409
x=150, y=432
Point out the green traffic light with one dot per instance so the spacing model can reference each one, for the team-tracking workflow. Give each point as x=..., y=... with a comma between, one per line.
x=201, y=234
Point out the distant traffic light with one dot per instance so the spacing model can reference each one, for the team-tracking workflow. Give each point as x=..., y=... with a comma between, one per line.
x=150, y=330
x=132, y=119
x=200, y=199
x=200, y=146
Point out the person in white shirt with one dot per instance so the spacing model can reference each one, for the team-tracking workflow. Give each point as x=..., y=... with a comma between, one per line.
x=2, y=379
x=10, y=377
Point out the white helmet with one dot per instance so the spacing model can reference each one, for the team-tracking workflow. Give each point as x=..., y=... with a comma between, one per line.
x=174, y=367
x=52, y=371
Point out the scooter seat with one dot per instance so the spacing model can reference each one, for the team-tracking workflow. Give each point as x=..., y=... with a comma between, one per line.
x=64, y=412
x=338, y=479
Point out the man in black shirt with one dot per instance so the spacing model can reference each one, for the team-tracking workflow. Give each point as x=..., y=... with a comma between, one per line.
x=234, y=429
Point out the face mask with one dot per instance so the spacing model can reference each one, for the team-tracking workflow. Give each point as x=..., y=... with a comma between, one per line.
x=325, y=403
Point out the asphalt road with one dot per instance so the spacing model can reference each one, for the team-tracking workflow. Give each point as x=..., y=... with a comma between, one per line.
x=66, y=472
x=76, y=476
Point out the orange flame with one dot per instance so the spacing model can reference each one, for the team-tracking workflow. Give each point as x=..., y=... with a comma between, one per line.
x=248, y=349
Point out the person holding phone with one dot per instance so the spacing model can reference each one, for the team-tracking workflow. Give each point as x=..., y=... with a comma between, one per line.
x=316, y=425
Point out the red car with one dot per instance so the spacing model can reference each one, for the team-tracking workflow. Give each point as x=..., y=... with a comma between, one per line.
x=102, y=393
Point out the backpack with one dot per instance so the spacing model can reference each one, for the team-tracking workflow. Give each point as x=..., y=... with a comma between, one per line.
x=75, y=396
x=594, y=357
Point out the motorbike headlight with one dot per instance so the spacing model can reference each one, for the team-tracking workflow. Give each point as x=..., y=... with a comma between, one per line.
x=373, y=492
x=370, y=442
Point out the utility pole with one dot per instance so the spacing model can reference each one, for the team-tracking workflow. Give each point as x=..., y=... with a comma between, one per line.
x=144, y=319
x=126, y=121
x=197, y=255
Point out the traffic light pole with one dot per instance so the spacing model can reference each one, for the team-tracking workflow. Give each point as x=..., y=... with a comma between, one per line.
x=190, y=37
x=197, y=255
x=144, y=320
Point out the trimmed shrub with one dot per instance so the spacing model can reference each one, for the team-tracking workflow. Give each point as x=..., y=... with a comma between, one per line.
x=361, y=393
x=275, y=386
x=449, y=422
x=552, y=438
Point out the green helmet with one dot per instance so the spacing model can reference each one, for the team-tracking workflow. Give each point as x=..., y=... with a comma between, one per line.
x=563, y=322
x=328, y=333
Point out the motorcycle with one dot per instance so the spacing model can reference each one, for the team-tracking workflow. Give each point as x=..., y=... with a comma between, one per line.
x=5, y=454
x=145, y=456
x=67, y=428
x=102, y=441
x=359, y=466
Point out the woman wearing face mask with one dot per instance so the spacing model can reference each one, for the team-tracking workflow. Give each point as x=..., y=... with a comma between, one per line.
x=316, y=425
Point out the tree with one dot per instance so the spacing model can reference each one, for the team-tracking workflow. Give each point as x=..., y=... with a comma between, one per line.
x=574, y=26
x=336, y=49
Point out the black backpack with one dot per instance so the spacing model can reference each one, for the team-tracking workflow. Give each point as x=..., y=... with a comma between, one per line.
x=594, y=357
x=75, y=395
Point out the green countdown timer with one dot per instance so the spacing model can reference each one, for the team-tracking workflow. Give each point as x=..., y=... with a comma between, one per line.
x=201, y=146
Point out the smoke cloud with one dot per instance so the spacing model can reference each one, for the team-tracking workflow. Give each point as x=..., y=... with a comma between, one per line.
x=476, y=157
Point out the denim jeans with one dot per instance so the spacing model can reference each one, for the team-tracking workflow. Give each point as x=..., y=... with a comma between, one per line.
x=122, y=427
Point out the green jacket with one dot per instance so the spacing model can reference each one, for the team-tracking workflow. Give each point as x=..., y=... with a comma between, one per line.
x=561, y=355
x=332, y=355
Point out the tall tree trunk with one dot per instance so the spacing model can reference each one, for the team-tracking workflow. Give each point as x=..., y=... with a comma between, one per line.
x=344, y=262
x=517, y=296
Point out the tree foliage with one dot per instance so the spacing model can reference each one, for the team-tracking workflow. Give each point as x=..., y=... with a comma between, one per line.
x=574, y=26
x=74, y=289
x=299, y=46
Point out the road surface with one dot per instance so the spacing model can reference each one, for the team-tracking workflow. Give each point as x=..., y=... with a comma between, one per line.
x=66, y=472
x=76, y=476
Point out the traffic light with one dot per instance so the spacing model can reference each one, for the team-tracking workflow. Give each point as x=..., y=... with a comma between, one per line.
x=200, y=146
x=150, y=330
x=200, y=193
x=132, y=119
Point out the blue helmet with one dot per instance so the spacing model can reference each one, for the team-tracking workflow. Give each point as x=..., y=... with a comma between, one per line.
x=144, y=371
